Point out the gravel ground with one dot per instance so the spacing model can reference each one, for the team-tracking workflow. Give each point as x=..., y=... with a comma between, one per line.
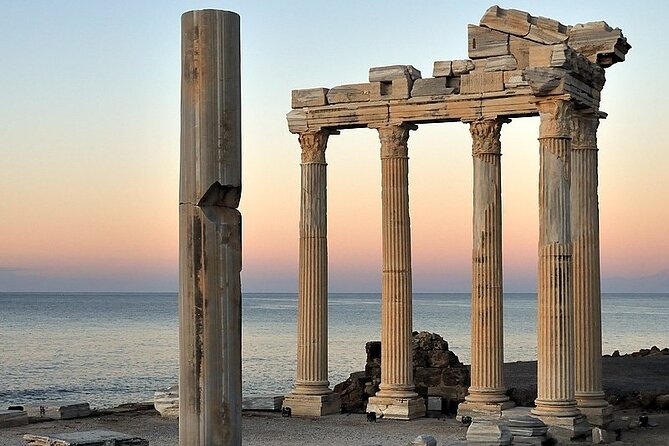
x=271, y=429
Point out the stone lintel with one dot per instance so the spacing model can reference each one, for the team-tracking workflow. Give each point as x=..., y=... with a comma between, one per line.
x=309, y=97
x=312, y=405
x=396, y=408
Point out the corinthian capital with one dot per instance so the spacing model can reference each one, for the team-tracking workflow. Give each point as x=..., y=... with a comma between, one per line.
x=394, y=141
x=555, y=118
x=584, y=130
x=485, y=136
x=313, y=146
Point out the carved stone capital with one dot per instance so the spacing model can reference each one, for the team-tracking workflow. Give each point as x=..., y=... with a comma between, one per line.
x=313, y=146
x=394, y=141
x=485, y=136
x=555, y=117
x=584, y=130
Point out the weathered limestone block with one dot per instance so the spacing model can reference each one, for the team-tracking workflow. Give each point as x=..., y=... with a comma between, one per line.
x=545, y=81
x=396, y=89
x=166, y=402
x=442, y=68
x=87, y=438
x=263, y=403
x=500, y=63
x=460, y=67
x=514, y=79
x=540, y=56
x=486, y=42
x=509, y=21
x=599, y=42
x=392, y=72
x=297, y=121
x=58, y=410
x=520, y=49
x=489, y=431
x=350, y=93
x=482, y=82
x=431, y=87
x=309, y=97
x=12, y=418
x=547, y=31
x=424, y=440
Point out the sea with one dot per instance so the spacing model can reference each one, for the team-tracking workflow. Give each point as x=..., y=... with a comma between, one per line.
x=114, y=348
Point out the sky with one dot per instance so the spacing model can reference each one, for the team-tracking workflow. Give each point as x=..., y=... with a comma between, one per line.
x=89, y=145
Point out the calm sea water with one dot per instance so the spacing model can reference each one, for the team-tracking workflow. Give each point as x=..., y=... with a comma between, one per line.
x=109, y=349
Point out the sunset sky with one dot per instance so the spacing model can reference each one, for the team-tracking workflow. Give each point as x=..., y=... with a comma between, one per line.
x=89, y=145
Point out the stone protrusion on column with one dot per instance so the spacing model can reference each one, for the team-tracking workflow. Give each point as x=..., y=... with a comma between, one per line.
x=586, y=275
x=210, y=231
x=396, y=397
x=555, y=403
x=312, y=395
x=487, y=392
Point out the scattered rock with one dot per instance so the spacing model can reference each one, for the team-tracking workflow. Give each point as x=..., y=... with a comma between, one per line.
x=662, y=401
x=424, y=440
x=166, y=401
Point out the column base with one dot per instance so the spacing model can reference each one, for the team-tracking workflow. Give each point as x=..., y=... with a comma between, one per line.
x=566, y=428
x=312, y=405
x=598, y=416
x=476, y=409
x=396, y=408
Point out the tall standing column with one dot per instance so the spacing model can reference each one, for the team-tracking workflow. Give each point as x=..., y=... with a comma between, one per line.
x=311, y=395
x=487, y=392
x=397, y=397
x=587, y=290
x=555, y=402
x=210, y=231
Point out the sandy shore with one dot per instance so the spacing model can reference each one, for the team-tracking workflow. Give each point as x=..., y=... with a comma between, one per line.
x=272, y=429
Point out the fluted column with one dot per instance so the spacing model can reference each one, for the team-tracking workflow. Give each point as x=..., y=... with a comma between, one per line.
x=555, y=324
x=587, y=291
x=311, y=394
x=396, y=313
x=487, y=343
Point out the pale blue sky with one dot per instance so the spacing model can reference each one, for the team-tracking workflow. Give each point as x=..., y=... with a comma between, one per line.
x=90, y=132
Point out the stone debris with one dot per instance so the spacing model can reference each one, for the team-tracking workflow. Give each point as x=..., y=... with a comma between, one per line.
x=262, y=403
x=489, y=431
x=526, y=429
x=424, y=440
x=12, y=418
x=58, y=410
x=87, y=438
x=166, y=402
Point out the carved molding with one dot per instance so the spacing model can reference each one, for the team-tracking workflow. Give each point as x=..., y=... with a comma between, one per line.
x=485, y=136
x=394, y=141
x=555, y=117
x=584, y=126
x=313, y=146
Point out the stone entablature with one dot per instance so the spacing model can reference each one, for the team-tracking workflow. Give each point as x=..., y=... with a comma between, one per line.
x=515, y=58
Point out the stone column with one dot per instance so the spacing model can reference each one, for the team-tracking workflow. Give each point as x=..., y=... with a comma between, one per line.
x=585, y=254
x=210, y=231
x=397, y=397
x=555, y=403
x=311, y=395
x=487, y=392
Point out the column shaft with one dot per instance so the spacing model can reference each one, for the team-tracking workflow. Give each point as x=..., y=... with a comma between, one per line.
x=396, y=311
x=585, y=240
x=555, y=374
x=312, y=314
x=487, y=384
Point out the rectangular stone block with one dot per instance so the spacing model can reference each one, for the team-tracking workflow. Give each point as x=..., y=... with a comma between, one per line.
x=312, y=405
x=86, y=438
x=349, y=93
x=513, y=79
x=442, y=68
x=482, y=82
x=520, y=49
x=485, y=42
x=392, y=72
x=509, y=21
x=540, y=56
x=500, y=63
x=546, y=35
x=264, y=403
x=309, y=97
x=397, y=408
x=431, y=87
x=58, y=410
x=13, y=418
x=396, y=89
x=461, y=67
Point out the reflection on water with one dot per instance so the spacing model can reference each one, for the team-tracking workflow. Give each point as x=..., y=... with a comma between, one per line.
x=113, y=348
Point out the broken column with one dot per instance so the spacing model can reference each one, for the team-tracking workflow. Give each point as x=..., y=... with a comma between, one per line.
x=312, y=395
x=396, y=398
x=555, y=403
x=487, y=392
x=587, y=289
x=210, y=231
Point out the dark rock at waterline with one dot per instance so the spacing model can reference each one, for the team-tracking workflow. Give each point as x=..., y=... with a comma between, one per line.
x=653, y=351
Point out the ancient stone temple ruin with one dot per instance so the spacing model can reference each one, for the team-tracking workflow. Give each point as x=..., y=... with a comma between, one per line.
x=518, y=66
